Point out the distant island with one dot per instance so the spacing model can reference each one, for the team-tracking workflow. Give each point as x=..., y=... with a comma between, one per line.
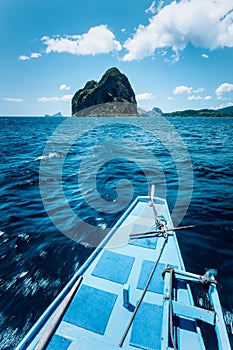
x=222, y=112
x=111, y=96
x=59, y=114
x=156, y=112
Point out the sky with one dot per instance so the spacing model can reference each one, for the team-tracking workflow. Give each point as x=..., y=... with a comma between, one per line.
x=176, y=54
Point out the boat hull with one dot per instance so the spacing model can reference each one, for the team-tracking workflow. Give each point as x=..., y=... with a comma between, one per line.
x=127, y=292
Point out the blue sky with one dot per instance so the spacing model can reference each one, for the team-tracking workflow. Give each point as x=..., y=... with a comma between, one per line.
x=176, y=54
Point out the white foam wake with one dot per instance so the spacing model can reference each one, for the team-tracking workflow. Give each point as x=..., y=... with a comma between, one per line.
x=53, y=154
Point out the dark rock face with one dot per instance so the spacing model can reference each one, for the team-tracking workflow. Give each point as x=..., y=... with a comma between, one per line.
x=111, y=96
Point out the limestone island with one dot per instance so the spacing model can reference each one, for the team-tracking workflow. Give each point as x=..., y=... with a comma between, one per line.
x=111, y=96
x=59, y=114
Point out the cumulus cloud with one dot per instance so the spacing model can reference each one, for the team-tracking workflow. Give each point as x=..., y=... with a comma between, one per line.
x=12, y=99
x=202, y=23
x=204, y=55
x=65, y=98
x=64, y=87
x=48, y=99
x=206, y=98
x=199, y=90
x=97, y=40
x=224, y=88
x=24, y=58
x=151, y=9
x=182, y=89
x=229, y=104
x=145, y=96
x=194, y=98
x=33, y=55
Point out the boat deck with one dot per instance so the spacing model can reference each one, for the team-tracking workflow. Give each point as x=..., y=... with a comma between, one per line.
x=100, y=312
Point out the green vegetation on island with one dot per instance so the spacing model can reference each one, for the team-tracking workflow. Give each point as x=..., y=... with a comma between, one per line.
x=224, y=112
x=156, y=112
x=111, y=96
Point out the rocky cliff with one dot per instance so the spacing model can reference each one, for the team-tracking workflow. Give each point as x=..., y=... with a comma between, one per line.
x=111, y=96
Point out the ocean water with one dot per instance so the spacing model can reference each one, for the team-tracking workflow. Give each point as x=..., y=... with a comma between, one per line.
x=64, y=182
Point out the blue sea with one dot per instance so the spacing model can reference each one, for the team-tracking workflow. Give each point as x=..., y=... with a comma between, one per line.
x=65, y=181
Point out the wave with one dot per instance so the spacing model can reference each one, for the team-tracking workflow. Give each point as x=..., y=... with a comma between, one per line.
x=37, y=260
x=228, y=318
x=53, y=154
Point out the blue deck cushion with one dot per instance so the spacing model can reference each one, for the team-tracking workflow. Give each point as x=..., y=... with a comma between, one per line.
x=91, y=309
x=147, y=327
x=156, y=283
x=59, y=342
x=114, y=267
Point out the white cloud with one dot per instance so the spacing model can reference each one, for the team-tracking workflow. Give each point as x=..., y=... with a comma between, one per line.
x=12, y=99
x=64, y=87
x=204, y=55
x=97, y=40
x=194, y=98
x=145, y=96
x=224, y=88
x=24, y=58
x=206, y=98
x=65, y=98
x=202, y=23
x=35, y=55
x=199, y=90
x=151, y=9
x=229, y=104
x=182, y=89
x=48, y=99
